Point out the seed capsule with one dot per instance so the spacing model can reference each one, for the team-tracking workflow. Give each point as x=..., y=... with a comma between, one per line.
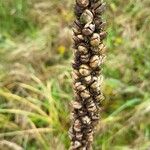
x=78, y=38
x=103, y=35
x=79, y=136
x=75, y=74
x=88, y=79
x=100, y=8
x=85, y=58
x=88, y=29
x=77, y=125
x=86, y=120
x=96, y=83
x=100, y=97
x=86, y=17
x=76, y=145
x=85, y=94
x=77, y=105
x=83, y=3
x=95, y=40
x=94, y=61
x=79, y=86
x=82, y=49
x=90, y=137
x=91, y=107
x=84, y=70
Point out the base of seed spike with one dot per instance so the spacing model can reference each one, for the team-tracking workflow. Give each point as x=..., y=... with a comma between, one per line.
x=88, y=59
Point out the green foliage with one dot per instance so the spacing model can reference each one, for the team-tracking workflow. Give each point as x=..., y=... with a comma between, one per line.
x=35, y=75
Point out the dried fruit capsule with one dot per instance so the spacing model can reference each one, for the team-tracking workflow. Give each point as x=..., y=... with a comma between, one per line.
x=85, y=58
x=77, y=105
x=77, y=125
x=76, y=145
x=88, y=29
x=79, y=86
x=86, y=120
x=86, y=17
x=95, y=40
x=88, y=79
x=82, y=49
x=85, y=94
x=95, y=61
x=79, y=136
x=84, y=70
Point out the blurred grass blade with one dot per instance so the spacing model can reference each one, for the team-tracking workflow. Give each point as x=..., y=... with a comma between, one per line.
x=129, y=103
x=28, y=131
x=21, y=100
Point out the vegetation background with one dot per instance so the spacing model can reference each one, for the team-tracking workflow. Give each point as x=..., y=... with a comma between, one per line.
x=35, y=75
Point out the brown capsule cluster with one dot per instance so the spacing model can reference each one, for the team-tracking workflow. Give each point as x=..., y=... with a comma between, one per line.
x=88, y=57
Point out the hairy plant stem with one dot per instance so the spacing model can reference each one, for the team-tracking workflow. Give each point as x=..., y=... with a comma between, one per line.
x=88, y=58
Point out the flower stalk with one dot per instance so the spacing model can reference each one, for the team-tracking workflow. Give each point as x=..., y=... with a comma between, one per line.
x=89, y=54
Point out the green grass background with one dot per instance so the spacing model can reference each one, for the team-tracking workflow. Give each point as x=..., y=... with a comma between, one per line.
x=35, y=75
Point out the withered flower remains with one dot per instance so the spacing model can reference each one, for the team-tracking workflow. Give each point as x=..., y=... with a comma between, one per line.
x=88, y=57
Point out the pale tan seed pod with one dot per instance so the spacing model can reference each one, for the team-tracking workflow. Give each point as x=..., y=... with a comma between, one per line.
x=77, y=125
x=85, y=58
x=76, y=29
x=79, y=136
x=88, y=79
x=96, y=83
x=76, y=105
x=84, y=70
x=86, y=17
x=88, y=29
x=100, y=97
x=90, y=137
x=95, y=40
x=82, y=49
x=94, y=61
x=79, y=86
x=80, y=36
x=85, y=94
x=91, y=107
x=86, y=120
x=76, y=145
x=75, y=75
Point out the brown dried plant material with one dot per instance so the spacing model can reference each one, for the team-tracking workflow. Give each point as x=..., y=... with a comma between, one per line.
x=88, y=57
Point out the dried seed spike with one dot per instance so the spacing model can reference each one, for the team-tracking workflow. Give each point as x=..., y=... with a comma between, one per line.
x=88, y=57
